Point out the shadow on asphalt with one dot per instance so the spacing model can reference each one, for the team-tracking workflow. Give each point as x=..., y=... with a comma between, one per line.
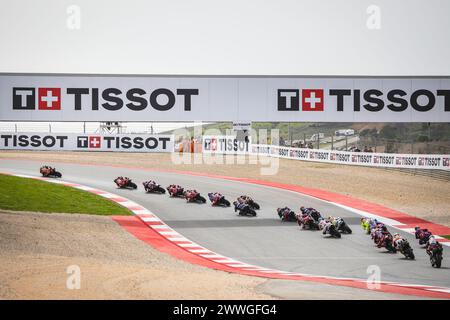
x=237, y=222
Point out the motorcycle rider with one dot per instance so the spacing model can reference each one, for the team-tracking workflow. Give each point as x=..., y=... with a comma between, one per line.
x=215, y=197
x=383, y=237
x=190, y=194
x=433, y=245
x=399, y=241
x=423, y=235
x=47, y=170
x=377, y=232
x=325, y=226
x=119, y=180
x=313, y=213
x=150, y=185
x=285, y=213
x=174, y=189
x=240, y=206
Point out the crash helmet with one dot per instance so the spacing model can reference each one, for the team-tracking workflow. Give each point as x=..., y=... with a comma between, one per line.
x=432, y=240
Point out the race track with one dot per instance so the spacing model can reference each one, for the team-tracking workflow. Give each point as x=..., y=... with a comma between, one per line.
x=264, y=240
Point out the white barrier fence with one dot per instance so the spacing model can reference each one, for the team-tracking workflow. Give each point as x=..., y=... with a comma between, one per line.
x=386, y=160
x=87, y=142
x=215, y=145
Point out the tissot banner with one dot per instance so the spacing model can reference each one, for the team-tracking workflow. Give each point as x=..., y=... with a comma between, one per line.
x=86, y=142
x=207, y=98
x=405, y=161
x=226, y=145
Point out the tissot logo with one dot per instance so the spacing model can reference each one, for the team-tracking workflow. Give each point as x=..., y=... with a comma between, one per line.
x=289, y=100
x=25, y=98
x=372, y=100
x=89, y=142
x=110, y=99
x=211, y=144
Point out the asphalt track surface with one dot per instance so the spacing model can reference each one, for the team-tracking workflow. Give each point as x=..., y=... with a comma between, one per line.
x=263, y=240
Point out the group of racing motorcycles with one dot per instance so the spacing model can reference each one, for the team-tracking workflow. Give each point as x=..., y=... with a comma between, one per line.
x=393, y=243
x=244, y=205
x=311, y=219
x=308, y=218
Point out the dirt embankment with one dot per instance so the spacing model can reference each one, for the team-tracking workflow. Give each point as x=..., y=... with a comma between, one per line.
x=36, y=249
x=416, y=195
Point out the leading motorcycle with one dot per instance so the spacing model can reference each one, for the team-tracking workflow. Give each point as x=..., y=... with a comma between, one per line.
x=49, y=172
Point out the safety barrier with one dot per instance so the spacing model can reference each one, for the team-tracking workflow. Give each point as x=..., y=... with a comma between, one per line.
x=383, y=160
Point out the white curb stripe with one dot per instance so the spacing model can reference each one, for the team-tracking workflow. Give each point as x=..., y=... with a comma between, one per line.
x=167, y=233
x=145, y=219
x=210, y=256
x=159, y=226
x=199, y=250
x=177, y=239
x=142, y=212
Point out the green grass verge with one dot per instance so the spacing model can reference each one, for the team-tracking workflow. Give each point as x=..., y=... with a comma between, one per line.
x=446, y=237
x=23, y=194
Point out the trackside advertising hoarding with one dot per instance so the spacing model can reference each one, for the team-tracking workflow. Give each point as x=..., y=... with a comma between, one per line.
x=34, y=97
x=86, y=142
x=226, y=145
x=405, y=161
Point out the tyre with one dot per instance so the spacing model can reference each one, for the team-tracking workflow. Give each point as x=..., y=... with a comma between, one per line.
x=58, y=174
x=436, y=260
x=201, y=199
x=390, y=248
x=226, y=202
x=255, y=206
x=347, y=229
x=161, y=190
x=335, y=233
x=133, y=185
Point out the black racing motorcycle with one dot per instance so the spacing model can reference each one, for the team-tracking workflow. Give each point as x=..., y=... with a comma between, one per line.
x=175, y=192
x=125, y=183
x=307, y=222
x=343, y=227
x=253, y=204
x=332, y=231
x=436, y=257
x=406, y=250
x=153, y=188
x=244, y=211
x=389, y=243
x=289, y=216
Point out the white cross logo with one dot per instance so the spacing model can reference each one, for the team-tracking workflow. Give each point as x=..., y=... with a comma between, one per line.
x=213, y=144
x=95, y=142
x=49, y=98
x=312, y=100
